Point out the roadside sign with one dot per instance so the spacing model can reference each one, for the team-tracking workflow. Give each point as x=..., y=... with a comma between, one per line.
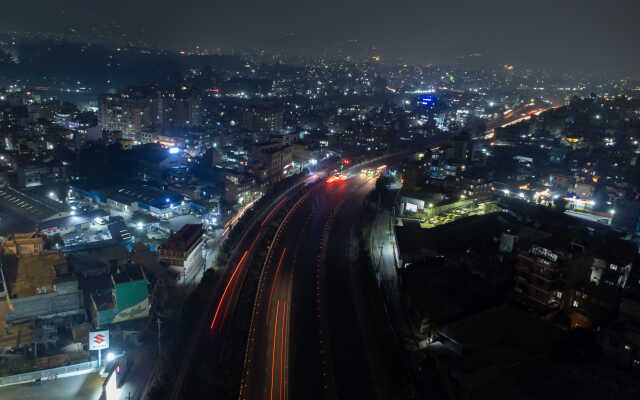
x=99, y=340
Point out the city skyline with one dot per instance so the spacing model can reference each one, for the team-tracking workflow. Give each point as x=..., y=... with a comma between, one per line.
x=288, y=200
x=585, y=36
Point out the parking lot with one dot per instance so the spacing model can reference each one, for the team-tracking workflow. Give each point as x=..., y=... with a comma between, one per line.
x=431, y=221
x=95, y=233
x=27, y=206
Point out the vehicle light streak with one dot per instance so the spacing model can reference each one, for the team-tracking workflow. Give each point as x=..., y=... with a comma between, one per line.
x=284, y=321
x=275, y=279
x=239, y=214
x=272, y=211
x=226, y=289
x=338, y=177
x=253, y=244
x=233, y=281
x=310, y=179
x=273, y=354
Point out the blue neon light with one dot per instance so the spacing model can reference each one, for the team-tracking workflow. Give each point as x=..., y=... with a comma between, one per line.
x=427, y=100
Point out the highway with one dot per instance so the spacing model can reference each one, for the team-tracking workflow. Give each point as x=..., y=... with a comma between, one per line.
x=305, y=342
x=285, y=307
x=514, y=117
x=212, y=344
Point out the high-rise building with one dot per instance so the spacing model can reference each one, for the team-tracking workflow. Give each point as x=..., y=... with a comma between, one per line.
x=130, y=111
x=263, y=119
x=540, y=278
x=274, y=158
x=181, y=106
x=462, y=147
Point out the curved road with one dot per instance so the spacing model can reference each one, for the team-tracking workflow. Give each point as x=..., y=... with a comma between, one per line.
x=303, y=343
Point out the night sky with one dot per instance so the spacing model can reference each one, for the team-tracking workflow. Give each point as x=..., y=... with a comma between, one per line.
x=591, y=35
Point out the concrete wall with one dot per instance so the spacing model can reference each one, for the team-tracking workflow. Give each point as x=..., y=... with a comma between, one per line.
x=48, y=374
x=65, y=302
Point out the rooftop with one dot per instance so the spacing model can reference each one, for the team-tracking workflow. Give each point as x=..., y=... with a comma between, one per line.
x=29, y=274
x=144, y=194
x=184, y=238
x=498, y=328
x=454, y=236
x=128, y=273
x=22, y=238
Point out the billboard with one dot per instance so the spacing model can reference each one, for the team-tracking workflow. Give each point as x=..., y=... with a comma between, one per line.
x=411, y=207
x=99, y=340
x=427, y=100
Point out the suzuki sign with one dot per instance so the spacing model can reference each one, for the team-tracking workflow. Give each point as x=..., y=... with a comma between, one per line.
x=99, y=340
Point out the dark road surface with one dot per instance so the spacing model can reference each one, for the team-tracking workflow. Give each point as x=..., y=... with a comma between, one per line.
x=307, y=331
x=305, y=339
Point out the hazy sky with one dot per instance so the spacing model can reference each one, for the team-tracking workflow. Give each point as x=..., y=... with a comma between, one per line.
x=586, y=34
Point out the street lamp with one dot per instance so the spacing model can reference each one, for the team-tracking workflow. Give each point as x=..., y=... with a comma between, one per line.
x=110, y=356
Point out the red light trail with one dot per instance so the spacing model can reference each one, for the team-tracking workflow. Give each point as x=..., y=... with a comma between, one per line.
x=273, y=354
x=272, y=211
x=275, y=278
x=226, y=289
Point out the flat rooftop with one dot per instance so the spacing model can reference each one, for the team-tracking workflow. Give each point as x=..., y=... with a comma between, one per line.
x=184, y=238
x=128, y=273
x=27, y=274
x=144, y=194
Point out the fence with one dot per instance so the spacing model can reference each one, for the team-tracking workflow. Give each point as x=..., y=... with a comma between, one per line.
x=50, y=374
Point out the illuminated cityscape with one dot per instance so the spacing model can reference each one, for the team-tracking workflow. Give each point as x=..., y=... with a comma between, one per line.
x=297, y=201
